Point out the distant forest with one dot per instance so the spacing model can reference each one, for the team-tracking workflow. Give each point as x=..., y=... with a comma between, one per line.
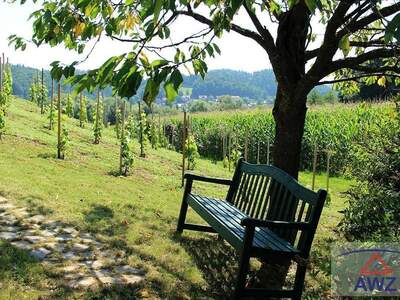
x=258, y=86
x=24, y=76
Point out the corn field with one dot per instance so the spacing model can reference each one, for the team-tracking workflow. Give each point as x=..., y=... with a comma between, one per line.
x=333, y=129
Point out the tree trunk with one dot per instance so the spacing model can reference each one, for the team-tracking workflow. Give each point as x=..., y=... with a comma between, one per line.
x=289, y=114
x=290, y=103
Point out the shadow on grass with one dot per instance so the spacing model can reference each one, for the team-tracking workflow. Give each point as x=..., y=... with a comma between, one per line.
x=47, y=155
x=34, y=205
x=100, y=219
x=99, y=213
x=115, y=173
x=217, y=261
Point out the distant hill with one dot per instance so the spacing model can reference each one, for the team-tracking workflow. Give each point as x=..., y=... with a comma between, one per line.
x=24, y=76
x=257, y=86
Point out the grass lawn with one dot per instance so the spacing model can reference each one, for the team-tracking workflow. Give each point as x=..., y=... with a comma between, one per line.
x=137, y=214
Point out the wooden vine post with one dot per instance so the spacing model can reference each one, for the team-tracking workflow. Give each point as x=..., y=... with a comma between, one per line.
x=141, y=137
x=184, y=132
x=1, y=74
x=328, y=159
x=314, y=166
x=268, y=151
x=116, y=120
x=96, y=140
x=80, y=110
x=2, y=70
x=102, y=109
x=229, y=151
x=173, y=138
x=246, y=149
x=42, y=94
x=223, y=147
x=51, y=119
x=59, y=154
x=159, y=129
x=122, y=135
x=258, y=152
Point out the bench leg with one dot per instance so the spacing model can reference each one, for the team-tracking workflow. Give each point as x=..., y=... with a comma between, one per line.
x=241, y=280
x=244, y=262
x=184, y=206
x=182, y=216
x=299, y=282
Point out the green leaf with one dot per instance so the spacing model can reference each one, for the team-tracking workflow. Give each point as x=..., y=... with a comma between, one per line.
x=150, y=91
x=131, y=85
x=393, y=29
x=172, y=86
x=216, y=48
x=159, y=63
x=292, y=3
x=344, y=45
x=176, y=78
x=312, y=5
x=170, y=91
x=236, y=4
x=382, y=81
x=157, y=9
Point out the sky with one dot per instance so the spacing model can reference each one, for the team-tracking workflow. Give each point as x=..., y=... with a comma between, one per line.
x=238, y=53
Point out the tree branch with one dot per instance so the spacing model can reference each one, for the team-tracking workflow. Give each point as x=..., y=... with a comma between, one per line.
x=371, y=43
x=371, y=69
x=356, y=78
x=330, y=44
x=189, y=39
x=264, y=32
x=242, y=31
x=364, y=22
x=359, y=11
x=353, y=62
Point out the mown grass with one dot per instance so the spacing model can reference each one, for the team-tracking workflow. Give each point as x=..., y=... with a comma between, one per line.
x=136, y=214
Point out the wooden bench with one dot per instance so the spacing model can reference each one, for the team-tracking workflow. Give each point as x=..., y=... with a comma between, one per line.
x=266, y=214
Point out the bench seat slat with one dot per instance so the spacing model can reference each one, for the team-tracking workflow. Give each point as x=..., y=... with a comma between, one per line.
x=232, y=220
x=225, y=218
x=265, y=235
x=262, y=236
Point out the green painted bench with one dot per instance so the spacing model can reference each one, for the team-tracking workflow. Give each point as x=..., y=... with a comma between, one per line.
x=266, y=214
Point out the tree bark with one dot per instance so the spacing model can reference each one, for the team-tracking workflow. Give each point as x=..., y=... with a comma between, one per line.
x=289, y=114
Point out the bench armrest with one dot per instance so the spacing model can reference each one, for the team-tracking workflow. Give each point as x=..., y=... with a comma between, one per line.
x=274, y=224
x=194, y=177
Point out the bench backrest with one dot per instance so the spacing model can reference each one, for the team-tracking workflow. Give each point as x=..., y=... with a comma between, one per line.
x=268, y=193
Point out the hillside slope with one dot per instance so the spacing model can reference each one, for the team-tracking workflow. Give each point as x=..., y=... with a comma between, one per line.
x=136, y=214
